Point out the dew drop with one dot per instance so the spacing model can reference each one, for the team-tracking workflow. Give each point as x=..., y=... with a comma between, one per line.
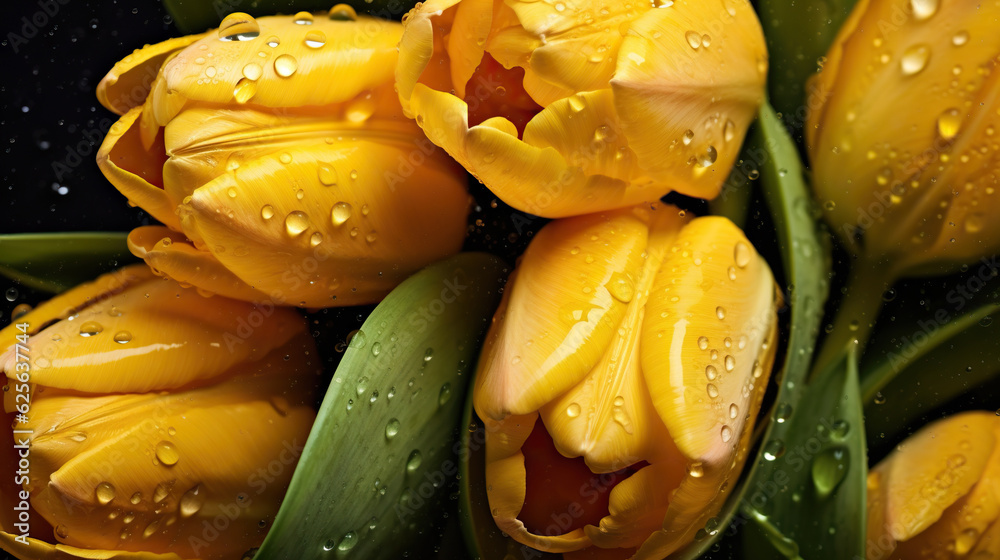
x=693, y=39
x=774, y=449
x=315, y=39
x=720, y=312
x=713, y=391
x=303, y=18
x=285, y=65
x=267, y=212
x=123, y=337
x=340, y=213
x=696, y=469
x=711, y=373
x=391, y=428
x=688, y=137
x=343, y=12
x=734, y=411
x=829, y=469
x=729, y=131
x=413, y=461
x=741, y=254
x=573, y=410
x=104, y=492
x=923, y=9
x=238, y=27
x=949, y=123
x=444, y=395
x=327, y=175
x=726, y=433
x=167, y=453
x=348, y=542
x=245, y=90
x=91, y=328
x=782, y=413
x=914, y=59
x=730, y=363
x=315, y=239
x=703, y=342
x=296, y=222
x=960, y=38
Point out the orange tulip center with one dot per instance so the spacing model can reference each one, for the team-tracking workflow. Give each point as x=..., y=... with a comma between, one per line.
x=494, y=91
x=562, y=493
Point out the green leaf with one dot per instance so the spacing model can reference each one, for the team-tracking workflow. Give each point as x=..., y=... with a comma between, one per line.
x=54, y=262
x=930, y=354
x=804, y=252
x=814, y=462
x=195, y=17
x=798, y=34
x=381, y=455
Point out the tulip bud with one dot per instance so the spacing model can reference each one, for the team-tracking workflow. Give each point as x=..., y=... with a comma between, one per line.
x=567, y=108
x=148, y=419
x=936, y=495
x=276, y=154
x=621, y=377
x=901, y=133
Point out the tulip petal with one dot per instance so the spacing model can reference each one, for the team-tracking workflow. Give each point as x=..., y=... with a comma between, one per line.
x=505, y=477
x=664, y=88
x=351, y=242
x=892, y=171
x=38, y=549
x=473, y=19
x=128, y=82
x=172, y=255
x=558, y=315
x=157, y=504
x=708, y=343
x=567, y=48
x=361, y=54
x=136, y=171
x=153, y=336
x=934, y=469
x=637, y=506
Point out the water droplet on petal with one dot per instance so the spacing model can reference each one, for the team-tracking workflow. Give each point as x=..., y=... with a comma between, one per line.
x=741, y=254
x=91, y=328
x=123, y=337
x=914, y=59
x=303, y=18
x=315, y=39
x=285, y=65
x=167, y=453
x=949, y=123
x=245, y=89
x=960, y=38
x=238, y=27
x=391, y=428
x=104, y=492
x=923, y=9
x=573, y=410
x=693, y=39
x=726, y=433
x=296, y=222
x=343, y=12
x=267, y=212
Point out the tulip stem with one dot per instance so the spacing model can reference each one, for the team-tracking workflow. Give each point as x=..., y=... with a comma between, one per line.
x=856, y=315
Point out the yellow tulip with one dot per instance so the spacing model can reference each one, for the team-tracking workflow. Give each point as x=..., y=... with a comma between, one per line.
x=902, y=133
x=571, y=107
x=157, y=421
x=620, y=380
x=936, y=495
x=276, y=154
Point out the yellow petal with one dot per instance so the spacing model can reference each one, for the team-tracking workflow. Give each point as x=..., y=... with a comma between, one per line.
x=472, y=22
x=505, y=479
x=154, y=335
x=891, y=169
x=708, y=343
x=558, y=315
x=571, y=49
x=129, y=81
x=292, y=73
x=343, y=244
x=136, y=171
x=173, y=256
x=38, y=549
x=144, y=464
x=933, y=469
x=685, y=110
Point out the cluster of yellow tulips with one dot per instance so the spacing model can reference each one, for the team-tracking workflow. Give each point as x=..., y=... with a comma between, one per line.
x=319, y=159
